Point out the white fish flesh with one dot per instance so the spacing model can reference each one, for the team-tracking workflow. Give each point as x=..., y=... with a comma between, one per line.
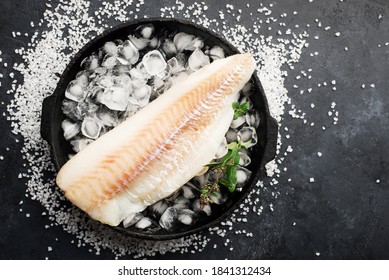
x=153, y=153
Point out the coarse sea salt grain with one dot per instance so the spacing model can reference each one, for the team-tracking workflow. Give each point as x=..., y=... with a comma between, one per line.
x=47, y=55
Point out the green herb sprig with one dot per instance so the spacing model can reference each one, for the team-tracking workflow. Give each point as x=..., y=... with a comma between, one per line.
x=240, y=109
x=224, y=172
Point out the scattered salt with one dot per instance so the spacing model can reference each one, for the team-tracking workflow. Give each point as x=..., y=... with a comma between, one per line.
x=39, y=81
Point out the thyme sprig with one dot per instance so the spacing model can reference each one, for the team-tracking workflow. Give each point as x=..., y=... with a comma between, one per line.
x=224, y=173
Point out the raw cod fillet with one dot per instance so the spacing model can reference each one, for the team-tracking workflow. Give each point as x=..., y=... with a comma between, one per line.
x=153, y=153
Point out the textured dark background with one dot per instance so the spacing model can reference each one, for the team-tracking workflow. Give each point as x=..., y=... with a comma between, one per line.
x=342, y=215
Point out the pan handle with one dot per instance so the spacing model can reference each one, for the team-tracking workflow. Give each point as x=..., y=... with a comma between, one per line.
x=47, y=108
x=271, y=141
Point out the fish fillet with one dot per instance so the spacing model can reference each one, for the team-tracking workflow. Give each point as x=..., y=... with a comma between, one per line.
x=153, y=153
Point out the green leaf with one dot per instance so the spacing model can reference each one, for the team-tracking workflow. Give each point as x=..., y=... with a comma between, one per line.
x=224, y=182
x=214, y=194
x=244, y=107
x=231, y=177
x=227, y=158
x=240, y=109
x=212, y=164
x=203, y=191
x=236, y=158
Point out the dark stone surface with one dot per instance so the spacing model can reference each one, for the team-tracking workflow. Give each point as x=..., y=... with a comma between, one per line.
x=342, y=215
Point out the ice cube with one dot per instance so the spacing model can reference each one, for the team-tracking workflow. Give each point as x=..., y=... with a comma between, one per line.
x=181, y=202
x=242, y=175
x=146, y=30
x=238, y=122
x=244, y=159
x=123, y=61
x=91, y=62
x=100, y=71
x=115, y=98
x=179, y=77
x=169, y=48
x=82, y=77
x=81, y=143
x=143, y=223
x=107, y=117
x=188, y=191
x=132, y=219
x=109, y=61
x=105, y=81
x=252, y=118
x=205, y=209
x=121, y=69
x=197, y=60
x=110, y=48
x=86, y=109
x=186, y=216
x=168, y=218
x=195, y=43
x=154, y=42
x=128, y=52
x=175, y=66
x=75, y=91
x=69, y=108
x=158, y=208
x=248, y=136
x=154, y=62
x=232, y=135
x=122, y=81
x=216, y=52
x=130, y=111
x=142, y=95
x=91, y=128
x=157, y=83
x=200, y=180
x=182, y=40
x=139, y=43
x=70, y=129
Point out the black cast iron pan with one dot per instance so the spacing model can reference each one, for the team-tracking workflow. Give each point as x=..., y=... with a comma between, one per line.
x=263, y=152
